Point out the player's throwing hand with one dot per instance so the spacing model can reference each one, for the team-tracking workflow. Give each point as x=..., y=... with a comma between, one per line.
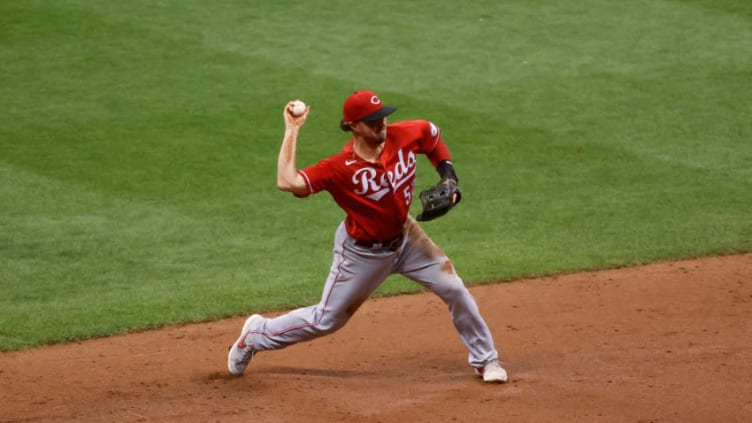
x=291, y=119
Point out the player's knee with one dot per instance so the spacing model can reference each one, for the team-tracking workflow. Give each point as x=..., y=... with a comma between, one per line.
x=331, y=322
x=454, y=291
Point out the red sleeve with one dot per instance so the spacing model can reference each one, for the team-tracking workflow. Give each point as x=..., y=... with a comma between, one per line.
x=435, y=148
x=439, y=154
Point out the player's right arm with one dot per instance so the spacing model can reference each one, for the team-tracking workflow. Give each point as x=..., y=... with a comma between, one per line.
x=288, y=178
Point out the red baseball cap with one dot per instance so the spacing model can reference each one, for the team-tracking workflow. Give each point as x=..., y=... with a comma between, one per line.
x=365, y=105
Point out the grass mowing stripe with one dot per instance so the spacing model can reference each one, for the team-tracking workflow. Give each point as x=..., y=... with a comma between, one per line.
x=640, y=211
x=117, y=261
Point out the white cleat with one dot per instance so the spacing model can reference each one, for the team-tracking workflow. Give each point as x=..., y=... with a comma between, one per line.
x=492, y=372
x=241, y=353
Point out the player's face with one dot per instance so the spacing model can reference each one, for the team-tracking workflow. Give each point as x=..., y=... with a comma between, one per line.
x=373, y=131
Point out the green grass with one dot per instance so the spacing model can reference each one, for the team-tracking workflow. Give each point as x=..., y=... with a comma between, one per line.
x=138, y=145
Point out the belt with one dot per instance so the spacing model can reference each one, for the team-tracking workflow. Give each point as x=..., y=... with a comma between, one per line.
x=388, y=245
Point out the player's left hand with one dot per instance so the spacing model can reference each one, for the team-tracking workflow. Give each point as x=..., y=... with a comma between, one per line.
x=439, y=199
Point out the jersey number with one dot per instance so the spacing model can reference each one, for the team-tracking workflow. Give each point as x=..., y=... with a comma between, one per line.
x=409, y=194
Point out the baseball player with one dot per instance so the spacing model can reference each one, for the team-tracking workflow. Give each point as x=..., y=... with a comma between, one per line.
x=372, y=180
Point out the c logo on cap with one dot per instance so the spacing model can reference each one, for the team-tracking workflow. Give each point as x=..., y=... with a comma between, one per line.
x=375, y=100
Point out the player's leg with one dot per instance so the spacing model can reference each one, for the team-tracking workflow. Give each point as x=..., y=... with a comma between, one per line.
x=353, y=276
x=423, y=261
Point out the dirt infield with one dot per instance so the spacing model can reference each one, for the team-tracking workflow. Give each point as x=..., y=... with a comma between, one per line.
x=669, y=342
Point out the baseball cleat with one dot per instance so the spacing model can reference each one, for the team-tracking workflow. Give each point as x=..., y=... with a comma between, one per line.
x=492, y=372
x=241, y=353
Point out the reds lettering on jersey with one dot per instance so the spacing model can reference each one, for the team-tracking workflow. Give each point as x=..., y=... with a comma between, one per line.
x=377, y=196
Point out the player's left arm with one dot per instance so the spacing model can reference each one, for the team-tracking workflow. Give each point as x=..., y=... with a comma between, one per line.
x=442, y=197
x=441, y=158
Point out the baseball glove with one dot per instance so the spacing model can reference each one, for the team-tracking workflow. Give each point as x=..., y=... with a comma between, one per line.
x=439, y=199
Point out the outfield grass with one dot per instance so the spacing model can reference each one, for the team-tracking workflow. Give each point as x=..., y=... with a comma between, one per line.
x=138, y=145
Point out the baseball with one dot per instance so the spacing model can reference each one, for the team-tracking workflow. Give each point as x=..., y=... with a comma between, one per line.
x=298, y=108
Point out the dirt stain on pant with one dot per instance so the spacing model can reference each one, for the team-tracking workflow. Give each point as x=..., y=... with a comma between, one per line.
x=448, y=267
x=421, y=241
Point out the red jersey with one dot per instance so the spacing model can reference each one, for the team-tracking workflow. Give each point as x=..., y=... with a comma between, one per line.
x=377, y=196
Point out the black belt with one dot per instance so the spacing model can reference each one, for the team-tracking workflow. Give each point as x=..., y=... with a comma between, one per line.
x=388, y=245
